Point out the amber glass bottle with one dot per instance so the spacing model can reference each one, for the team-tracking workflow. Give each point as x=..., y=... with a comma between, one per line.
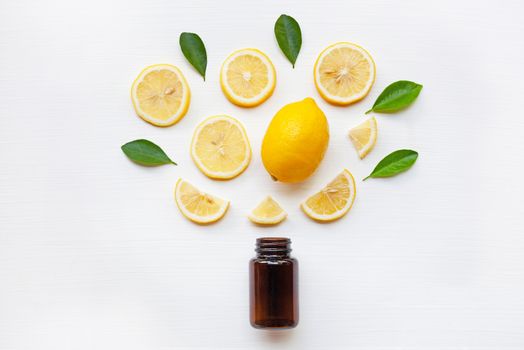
x=273, y=278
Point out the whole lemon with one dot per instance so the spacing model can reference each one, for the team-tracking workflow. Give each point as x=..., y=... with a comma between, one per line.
x=295, y=141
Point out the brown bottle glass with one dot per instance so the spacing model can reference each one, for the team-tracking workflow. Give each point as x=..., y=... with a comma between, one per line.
x=273, y=283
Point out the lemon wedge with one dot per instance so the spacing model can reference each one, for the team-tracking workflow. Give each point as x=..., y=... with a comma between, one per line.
x=247, y=77
x=333, y=201
x=220, y=147
x=198, y=206
x=344, y=73
x=364, y=136
x=160, y=95
x=268, y=212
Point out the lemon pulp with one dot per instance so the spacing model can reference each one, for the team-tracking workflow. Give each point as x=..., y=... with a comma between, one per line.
x=160, y=95
x=220, y=147
x=364, y=136
x=198, y=206
x=334, y=200
x=268, y=212
x=247, y=77
x=344, y=73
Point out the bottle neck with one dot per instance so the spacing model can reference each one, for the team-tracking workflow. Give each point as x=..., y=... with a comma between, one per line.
x=273, y=247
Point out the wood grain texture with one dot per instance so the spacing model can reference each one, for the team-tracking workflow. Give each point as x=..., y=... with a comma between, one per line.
x=95, y=255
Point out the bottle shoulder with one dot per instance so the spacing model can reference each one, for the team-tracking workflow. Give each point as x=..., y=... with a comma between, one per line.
x=266, y=261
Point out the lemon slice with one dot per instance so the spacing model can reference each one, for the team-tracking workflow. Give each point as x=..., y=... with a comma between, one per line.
x=160, y=95
x=334, y=200
x=268, y=212
x=220, y=147
x=198, y=206
x=364, y=136
x=247, y=77
x=344, y=73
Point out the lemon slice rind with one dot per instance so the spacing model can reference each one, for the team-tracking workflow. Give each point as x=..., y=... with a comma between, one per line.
x=203, y=167
x=185, y=100
x=223, y=204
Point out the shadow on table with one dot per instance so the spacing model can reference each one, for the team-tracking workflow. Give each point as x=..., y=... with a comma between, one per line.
x=276, y=336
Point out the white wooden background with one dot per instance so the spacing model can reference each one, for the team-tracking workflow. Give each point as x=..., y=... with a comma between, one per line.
x=95, y=255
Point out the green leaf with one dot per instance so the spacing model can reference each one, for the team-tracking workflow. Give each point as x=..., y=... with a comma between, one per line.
x=394, y=163
x=195, y=52
x=396, y=96
x=146, y=153
x=289, y=37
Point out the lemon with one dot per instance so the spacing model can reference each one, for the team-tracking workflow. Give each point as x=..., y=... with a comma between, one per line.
x=198, y=206
x=160, y=95
x=268, y=212
x=334, y=200
x=220, y=147
x=247, y=77
x=364, y=136
x=344, y=73
x=295, y=141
